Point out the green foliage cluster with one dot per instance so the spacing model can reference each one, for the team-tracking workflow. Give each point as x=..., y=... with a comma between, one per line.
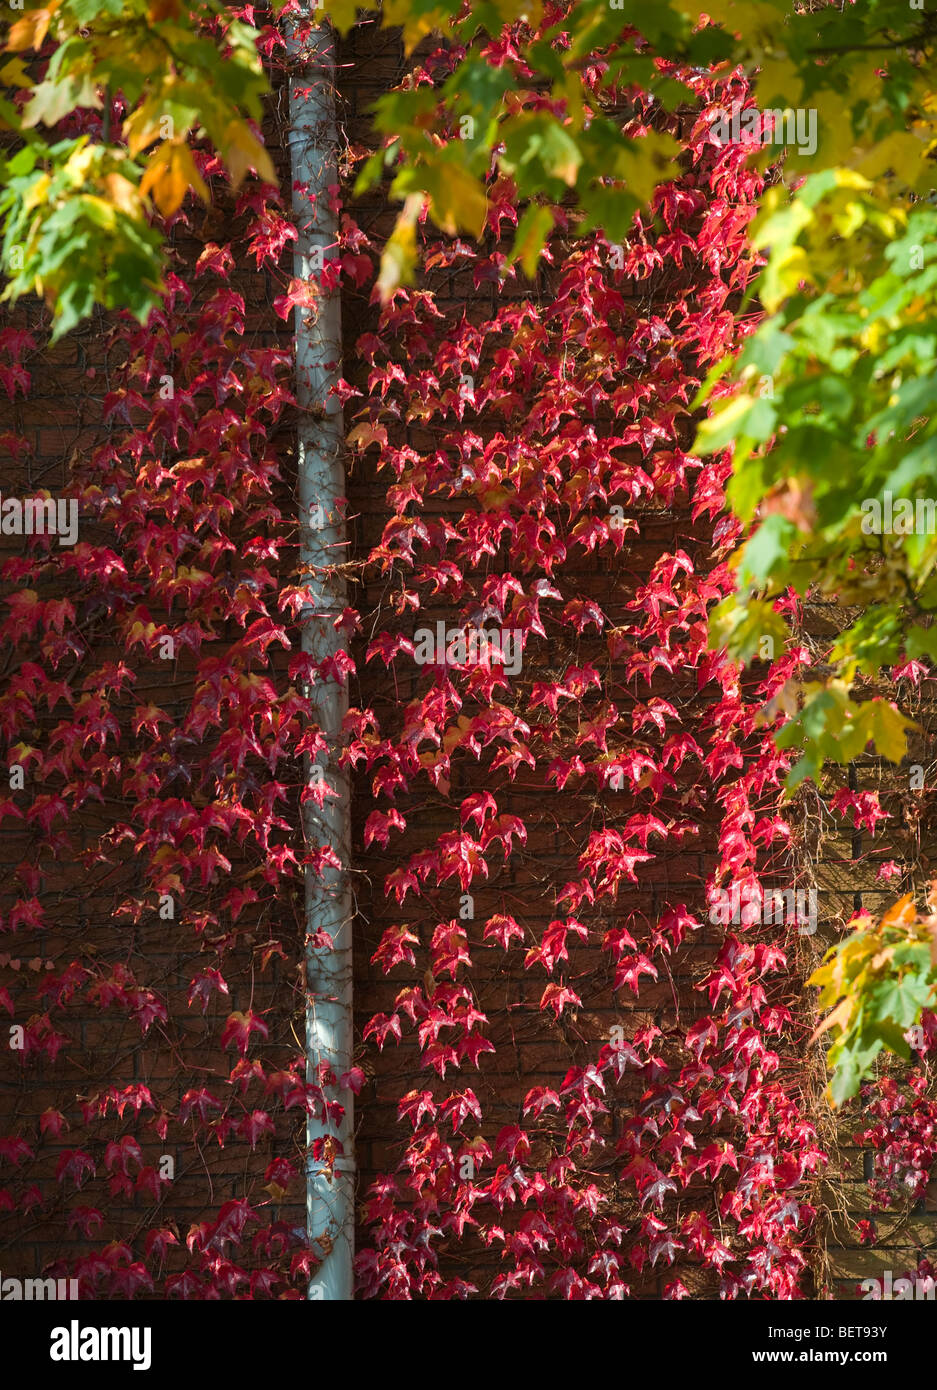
x=879, y=978
x=77, y=214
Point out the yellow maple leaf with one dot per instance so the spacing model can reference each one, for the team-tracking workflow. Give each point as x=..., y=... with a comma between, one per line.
x=839, y=1018
x=342, y=13
x=900, y=153
x=416, y=27
x=122, y=194
x=457, y=198
x=30, y=31
x=169, y=174
x=648, y=161
x=13, y=74
x=745, y=17
x=398, y=261
x=886, y=727
x=242, y=151
x=900, y=914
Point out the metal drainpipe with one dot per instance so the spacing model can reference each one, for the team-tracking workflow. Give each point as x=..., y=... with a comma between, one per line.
x=321, y=490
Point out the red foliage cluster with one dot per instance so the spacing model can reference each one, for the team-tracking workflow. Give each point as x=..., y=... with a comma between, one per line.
x=538, y=451
x=553, y=434
x=153, y=728
x=902, y=1133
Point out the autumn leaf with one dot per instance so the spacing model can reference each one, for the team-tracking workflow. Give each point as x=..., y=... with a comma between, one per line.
x=242, y=152
x=398, y=262
x=169, y=174
x=839, y=1018
x=239, y=1027
x=457, y=200
x=30, y=31
x=533, y=230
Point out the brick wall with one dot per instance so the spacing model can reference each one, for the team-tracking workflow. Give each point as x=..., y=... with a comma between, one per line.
x=531, y=1049
x=57, y=436
x=61, y=420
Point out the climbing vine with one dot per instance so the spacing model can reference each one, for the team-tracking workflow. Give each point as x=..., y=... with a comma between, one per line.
x=580, y=1001
x=153, y=723
x=612, y=1093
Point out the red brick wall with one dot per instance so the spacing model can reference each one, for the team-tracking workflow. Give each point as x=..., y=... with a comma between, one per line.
x=531, y=1049
x=61, y=420
x=61, y=424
